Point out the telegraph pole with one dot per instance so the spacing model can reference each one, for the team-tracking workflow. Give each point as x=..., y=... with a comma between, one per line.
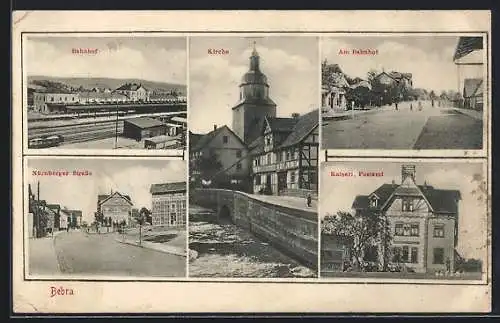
x=116, y=128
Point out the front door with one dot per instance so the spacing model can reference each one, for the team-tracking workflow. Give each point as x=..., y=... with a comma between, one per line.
x=281, y=181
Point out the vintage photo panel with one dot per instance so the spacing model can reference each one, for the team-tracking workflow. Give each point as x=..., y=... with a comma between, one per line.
x=98, y=218
x=254, y=140
x=404, y=220
x=406, y=92
x=104, y=92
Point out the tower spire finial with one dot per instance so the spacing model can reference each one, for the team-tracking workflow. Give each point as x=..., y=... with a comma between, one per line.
x=254, y=51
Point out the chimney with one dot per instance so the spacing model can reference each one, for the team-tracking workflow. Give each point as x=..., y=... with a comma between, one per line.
x=295, y=115
x=408, y=171
x=215, y=127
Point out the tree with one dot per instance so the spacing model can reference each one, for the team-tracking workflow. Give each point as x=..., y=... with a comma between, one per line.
x=206, y=167
x=359, y=232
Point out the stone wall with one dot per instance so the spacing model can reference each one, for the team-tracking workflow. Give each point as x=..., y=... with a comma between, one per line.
x=294, y=231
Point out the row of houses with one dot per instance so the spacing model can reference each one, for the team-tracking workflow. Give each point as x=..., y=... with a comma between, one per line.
x=168, y=205
x=45, y=218
x=261, y=153
x=339, y=92
x=44, y=101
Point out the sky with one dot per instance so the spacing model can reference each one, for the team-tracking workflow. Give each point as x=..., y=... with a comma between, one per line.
x=428, y=58
x=161, y=59
x=129, y=177
x=291, y=65
x=339, y=193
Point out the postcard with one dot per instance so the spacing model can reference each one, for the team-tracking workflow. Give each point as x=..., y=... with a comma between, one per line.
x=251, y=161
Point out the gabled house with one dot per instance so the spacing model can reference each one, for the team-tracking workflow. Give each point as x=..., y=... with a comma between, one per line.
x=473, y=94
x=116, y=206
x=134, y=92
x=423, y=222
x=285, y=156
x=334, y=87
x=469, y=59
x=228, y=149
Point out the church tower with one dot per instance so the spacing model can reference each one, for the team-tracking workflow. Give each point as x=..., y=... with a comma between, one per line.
x=254, y=103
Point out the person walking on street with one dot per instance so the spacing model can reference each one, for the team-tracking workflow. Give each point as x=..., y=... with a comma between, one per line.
x=419, y=106
x=411, y=106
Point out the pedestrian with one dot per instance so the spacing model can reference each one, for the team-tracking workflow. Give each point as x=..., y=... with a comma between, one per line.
x=448, y=265
x=309, y=200
x=411, y=106
x=419, y=106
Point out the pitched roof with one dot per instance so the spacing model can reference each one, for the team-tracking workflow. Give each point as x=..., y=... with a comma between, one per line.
x=194, y=138
x=53, y=206
x=471, y=87
x=101, y=95
x=398, y=75
x=145, y=122
x=281, y=124
x=441, y=201
x=207, y=138
x=467, y=45
x=304, y=126
x=129, y=87
x=167, y=187
x=101, y=198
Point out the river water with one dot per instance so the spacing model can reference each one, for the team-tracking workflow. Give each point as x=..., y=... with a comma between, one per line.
x=224, y=250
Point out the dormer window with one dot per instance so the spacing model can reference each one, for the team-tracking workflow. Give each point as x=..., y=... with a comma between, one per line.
x=373, y=201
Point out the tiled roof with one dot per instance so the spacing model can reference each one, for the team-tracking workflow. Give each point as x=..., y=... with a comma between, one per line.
x=167, y=187
x=102, y=197
x=206, y=139
x=129, y=87
x=144, y=122
x=304, y=126
x=102, y=95
x=281, y=124
x=471, y=87
x=194, y=138
x=467, y=45
x=441, y=201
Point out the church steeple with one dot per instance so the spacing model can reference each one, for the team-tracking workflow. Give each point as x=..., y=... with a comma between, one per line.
x=254, y=103
x=254, y=59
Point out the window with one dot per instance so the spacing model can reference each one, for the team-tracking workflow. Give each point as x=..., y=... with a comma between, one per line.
x=414, y=255
x=439, y=231
x=292, y=177
x=405, y=254
x=238, y=154
x=257, y=180
x=288, y=155
x=414, y=230
x=438, y=256
x=407, y=205
x=398, y=231
x=52, y=99
x=65, y=98
x=269, y=160
x=225, y=139
x=268, y=140
x=173, y=218
x=238, y=166
x=406, y=229
x=373, y=202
